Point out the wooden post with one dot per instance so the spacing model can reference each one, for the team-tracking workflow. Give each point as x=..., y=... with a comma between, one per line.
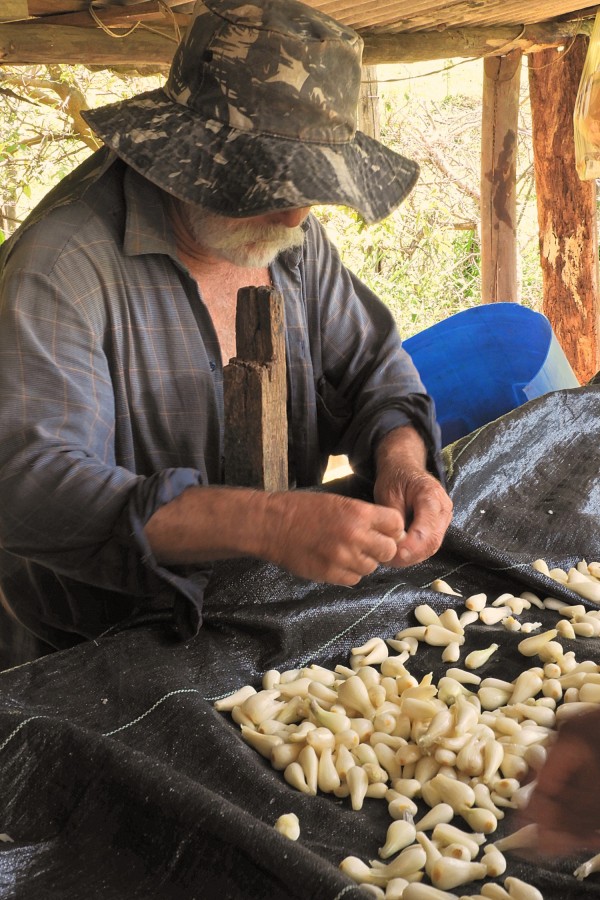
x=255, y=390
x=566, y=209
x=500, y=123
x=368, y=105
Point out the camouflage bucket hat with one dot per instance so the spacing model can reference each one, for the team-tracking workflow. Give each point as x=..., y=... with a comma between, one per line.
x=258, y=114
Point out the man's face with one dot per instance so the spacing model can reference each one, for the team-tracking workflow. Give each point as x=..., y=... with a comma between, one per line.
x=252, y=242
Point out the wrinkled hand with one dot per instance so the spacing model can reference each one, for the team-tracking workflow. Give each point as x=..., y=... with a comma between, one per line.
x=403, y=483
x=425, y=508
x=565, y=804
x=328, y=538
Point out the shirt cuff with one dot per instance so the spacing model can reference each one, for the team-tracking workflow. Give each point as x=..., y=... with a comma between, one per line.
x=416, y=410
x=180, y=588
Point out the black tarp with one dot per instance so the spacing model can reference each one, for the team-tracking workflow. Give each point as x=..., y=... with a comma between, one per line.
x=119, y=780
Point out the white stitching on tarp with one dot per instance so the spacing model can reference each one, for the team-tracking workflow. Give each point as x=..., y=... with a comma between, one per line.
x=356, y=622
x=105, y=733
x=18, y=728
x=148, y=711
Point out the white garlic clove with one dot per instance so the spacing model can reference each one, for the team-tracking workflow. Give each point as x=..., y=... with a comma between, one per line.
x=441, y=812
x=448, y=873
x=478, y=658
x=494, y=861
x=400, y=835
x=443, y=587
x=476, y=602
x=520, y=890
x=417, y=891
x=532, y=645
x=226, y=704
x=289, y=826
x=524, y=838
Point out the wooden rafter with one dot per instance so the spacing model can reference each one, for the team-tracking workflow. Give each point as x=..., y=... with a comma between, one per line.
x=117, y=17
x=35, y=41
x=77, y=31
x=366, y=16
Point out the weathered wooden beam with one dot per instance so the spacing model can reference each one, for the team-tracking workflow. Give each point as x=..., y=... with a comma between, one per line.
x=54, y=7
x=566, y=211
x=11, y=10
x=467, y=42
x=32, y=42
x=255, y=394
x=499, y=131
x=115, y=17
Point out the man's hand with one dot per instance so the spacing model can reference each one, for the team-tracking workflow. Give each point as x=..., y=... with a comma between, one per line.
x=324, y=537
x=565, y=804
x=404, y=484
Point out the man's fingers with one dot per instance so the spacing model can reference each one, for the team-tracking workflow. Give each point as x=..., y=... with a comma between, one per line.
x=423, y=538
x=387, y=521
x=431, y=510
x=559, y=840
x=351, y=575
x=382, y=548
x=564, y=803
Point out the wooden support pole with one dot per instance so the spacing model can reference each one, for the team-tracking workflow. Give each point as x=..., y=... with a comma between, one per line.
x=566, y=210
x=255, y=400
x=500, y=124
x=368, y=104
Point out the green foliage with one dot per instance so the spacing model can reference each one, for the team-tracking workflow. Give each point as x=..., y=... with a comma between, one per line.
x=424, y=260
x=43, y=135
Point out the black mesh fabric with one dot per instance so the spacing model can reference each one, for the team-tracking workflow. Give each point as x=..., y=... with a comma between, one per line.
x=119, y=780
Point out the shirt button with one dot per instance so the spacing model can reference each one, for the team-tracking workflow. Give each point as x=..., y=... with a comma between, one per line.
x=212, y=365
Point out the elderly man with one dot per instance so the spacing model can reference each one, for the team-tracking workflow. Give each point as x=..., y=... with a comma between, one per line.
x=118, y=306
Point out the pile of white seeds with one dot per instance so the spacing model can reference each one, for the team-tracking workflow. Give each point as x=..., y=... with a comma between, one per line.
x=467, y=746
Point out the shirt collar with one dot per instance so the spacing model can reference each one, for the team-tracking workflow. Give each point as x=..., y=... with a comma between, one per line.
x=291, y=258
x=147, y=225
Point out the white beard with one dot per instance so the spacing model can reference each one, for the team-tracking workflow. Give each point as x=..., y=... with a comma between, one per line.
x=243, y=243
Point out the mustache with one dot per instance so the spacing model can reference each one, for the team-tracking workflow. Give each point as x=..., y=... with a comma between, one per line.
x=233, y=232
x=260, y=236
x=238, y=240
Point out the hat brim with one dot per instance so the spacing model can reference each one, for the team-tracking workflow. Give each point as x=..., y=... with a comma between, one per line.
x=238, y=173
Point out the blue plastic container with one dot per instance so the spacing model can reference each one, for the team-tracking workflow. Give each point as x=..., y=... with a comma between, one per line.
x=485, y=361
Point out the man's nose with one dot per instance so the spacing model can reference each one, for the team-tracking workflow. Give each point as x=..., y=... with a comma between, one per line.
x=290, y=217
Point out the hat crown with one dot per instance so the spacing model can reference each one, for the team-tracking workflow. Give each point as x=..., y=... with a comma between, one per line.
x=274, y=67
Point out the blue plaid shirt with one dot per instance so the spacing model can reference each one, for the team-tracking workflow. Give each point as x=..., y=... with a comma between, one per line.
x=111, y=395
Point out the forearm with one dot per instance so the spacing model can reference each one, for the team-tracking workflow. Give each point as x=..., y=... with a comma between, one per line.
x=208, y=523
x=401, y=450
